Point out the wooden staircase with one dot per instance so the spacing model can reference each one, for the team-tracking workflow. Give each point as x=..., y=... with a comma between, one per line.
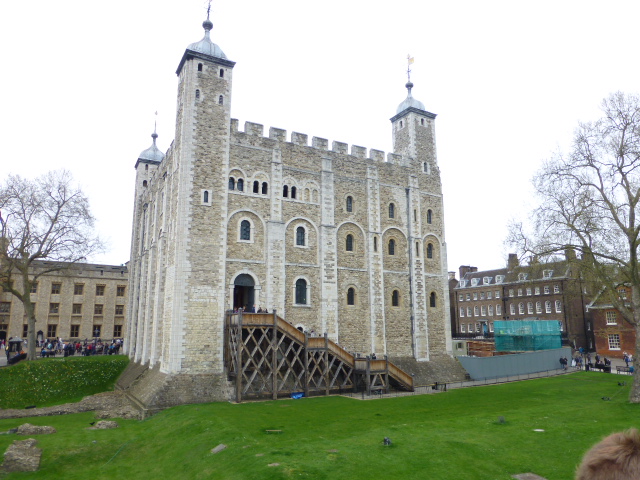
x=268, y=357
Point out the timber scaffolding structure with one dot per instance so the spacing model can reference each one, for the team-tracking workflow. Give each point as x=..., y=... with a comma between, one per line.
x=269, y=358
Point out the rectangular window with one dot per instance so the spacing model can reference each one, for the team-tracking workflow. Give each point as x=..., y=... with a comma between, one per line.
x=97, y=329
x=521, y=308
x=117, y=331
x=481, y=295
x=623, y=293
x=119, y=309
x=556, y=289
x=512, y=309
x=34, y=287
x=497, y=295
x=477, y=328
x=99, y=290
x=463, y=328
x=120, y=291
x=491, y=327
x=476, y=311
x=54, y=308
x=529, y=291
x=55, y=288
x=462, y=311
x=519, y=292
x=498, y=309
x=612, y=317
x=52, y=330
x=614, y=341
x=468, y=297
x=511, y=292
x=546, y=289
x=75, y=331
x=529, y=308
x=25, y=330
x=490, y=310
x=5, y=307
x=468, y=311
x=475, y=295
x=77, y=309
x=489, y=295
x=547, y=306
x=483, y=310
x=97, y=309
x=461, y=297
x=78, y=289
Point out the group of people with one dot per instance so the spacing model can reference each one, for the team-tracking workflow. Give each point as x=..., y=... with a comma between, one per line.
x=584, y=360
x=254, y=309
x=88, y=347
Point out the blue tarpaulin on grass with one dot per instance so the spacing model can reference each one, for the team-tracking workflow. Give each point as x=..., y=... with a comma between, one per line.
x=297, y=395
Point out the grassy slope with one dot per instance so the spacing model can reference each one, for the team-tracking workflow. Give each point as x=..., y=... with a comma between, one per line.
x=453, y=435
x=53, y=381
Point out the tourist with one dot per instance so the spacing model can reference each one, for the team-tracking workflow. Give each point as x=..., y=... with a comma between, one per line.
x=617, y=457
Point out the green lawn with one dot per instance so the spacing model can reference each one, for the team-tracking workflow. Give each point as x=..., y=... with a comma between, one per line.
x=451, y=435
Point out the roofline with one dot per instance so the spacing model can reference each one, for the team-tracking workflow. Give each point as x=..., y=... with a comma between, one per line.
x=414, y=110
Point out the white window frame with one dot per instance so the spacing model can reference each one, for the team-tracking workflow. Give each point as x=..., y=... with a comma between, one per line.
x=512, y=309
x=474, y=282
x=483, y=310
x=461, y=312
x=556, y=288
x=614, y=341
x=519, y=292
x=521, y=308
x=538, y=307
x=558, y=306
x=529, y=308
x=522, y=276
x=498, y=309
x=463, y=328
x=537, y=291
x=489, y=295
x=490, y=310
x=546, y=290
x=486, y=280
x=475, y=295
x=529, y=291
x=611, y=317
x=547, y=306
x=461, y=297
x=476, y=311
x=499, y=278
x=497, y=294
x=469, y=311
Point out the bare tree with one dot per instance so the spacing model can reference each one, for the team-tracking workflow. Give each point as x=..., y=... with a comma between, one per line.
x=47, y=218
x=589, y=202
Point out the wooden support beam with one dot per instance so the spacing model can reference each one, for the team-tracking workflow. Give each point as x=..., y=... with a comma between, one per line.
x=326, y=363
x=274, y=359
x=306, y=365
x=239, y=368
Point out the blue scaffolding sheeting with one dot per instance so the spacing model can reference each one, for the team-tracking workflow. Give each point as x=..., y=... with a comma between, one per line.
x=527, y=335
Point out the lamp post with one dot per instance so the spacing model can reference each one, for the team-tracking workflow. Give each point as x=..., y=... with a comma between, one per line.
x=96, y=332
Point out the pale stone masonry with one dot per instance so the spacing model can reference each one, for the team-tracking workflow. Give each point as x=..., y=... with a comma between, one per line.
x=338, y=239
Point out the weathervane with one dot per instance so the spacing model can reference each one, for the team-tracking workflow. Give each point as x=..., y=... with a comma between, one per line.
x=208, y=9
x=409, y=62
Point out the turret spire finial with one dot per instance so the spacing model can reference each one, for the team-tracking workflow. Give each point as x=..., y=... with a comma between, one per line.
x=154, y=135
x=207, y=24
x=409, y=85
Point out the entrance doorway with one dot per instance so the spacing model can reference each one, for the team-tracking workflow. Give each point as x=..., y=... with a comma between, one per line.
x=243, y=292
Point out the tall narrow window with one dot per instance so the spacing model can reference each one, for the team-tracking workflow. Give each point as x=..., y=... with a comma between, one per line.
x=429, y=250
x=265, y=188
x=293, y=192
x=285, y=191
x=220, y=100
x=245, y=230
x=232, y=183
x=197, y=93
x=417, y=250
x=395, y=298
x=240, y=184
x=392, y=210
x=429, y=216
x=432, y=299
x=392, y=247
x=351, y=296
x=199, y=67
x=221, y=73
x=375, y=244
x=349, y=245
x=349, y=204
x=300, y=236
x=301, y=292
x=205, y=197
x=256, y=186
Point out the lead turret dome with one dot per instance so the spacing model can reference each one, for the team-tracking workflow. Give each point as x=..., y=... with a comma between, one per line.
x=205, y=45
x=410, y=102
x=152, y=153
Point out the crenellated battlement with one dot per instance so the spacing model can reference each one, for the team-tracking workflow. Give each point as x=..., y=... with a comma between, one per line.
x=302, y=139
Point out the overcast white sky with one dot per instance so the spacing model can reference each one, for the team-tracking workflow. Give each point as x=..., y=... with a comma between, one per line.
x=509, y=81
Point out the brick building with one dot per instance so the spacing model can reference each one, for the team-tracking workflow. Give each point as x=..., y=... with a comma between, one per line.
x=337, y=239
x=542, y=291
x=79, y=302
x=613, y=335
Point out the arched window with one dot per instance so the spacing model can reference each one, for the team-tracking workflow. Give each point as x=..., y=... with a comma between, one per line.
x=429, y=250
x=432, y=299
x=529, y=308
x=301, y=291
x=232, y=183
x=293, y=192
x=351, y=296
x=538, y=307
x=197, y=93
x=144, y=183
x=429, y=216
x=285, y=191
x=392, y=210
x=221, y=73
x=300, y=236
x=349, y=245
x=256, y=186
x=205, y=197
x=521, y=308
x=240, y=185
x=498, y=309
x=221, y=100
x=245, y=230
x=349, y=204
x=392, y=247
x=547, y=306
x=395, y=298
x=199, y=67
x=265, y=188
